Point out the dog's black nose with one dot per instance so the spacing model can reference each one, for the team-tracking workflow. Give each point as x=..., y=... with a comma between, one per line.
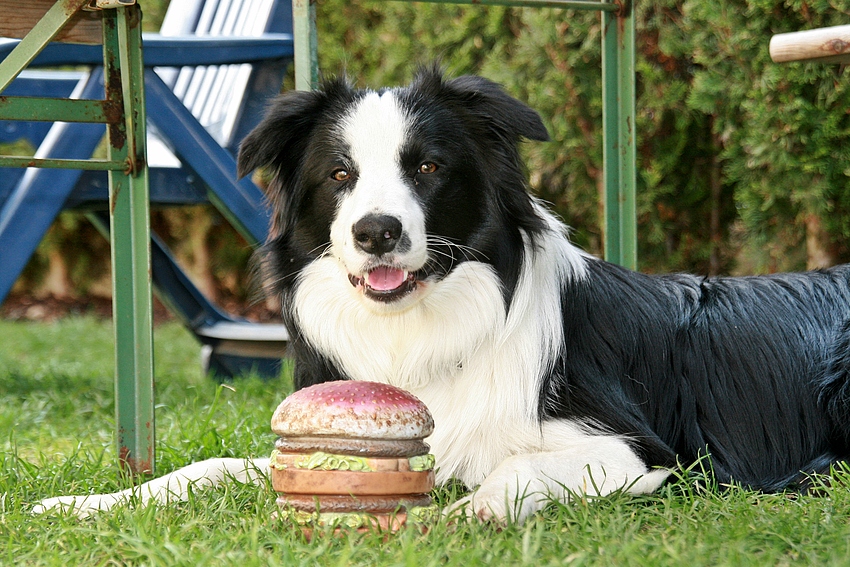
x=377, y=234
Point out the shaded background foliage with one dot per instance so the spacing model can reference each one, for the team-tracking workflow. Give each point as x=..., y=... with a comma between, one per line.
x=743, y=164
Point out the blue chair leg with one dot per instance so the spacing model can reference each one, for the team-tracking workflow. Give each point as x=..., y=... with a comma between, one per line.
x=224, y=367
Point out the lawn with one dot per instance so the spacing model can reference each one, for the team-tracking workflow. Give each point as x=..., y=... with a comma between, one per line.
x=56, y=430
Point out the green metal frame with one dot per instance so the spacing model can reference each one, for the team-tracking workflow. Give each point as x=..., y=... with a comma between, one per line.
x=123, y=111
x=618, y=124
x=618, y=110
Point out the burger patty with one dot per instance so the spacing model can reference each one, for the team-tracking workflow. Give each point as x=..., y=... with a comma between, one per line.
x=353, y=446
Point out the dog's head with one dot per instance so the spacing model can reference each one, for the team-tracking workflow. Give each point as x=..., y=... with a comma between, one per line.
x=399, y=186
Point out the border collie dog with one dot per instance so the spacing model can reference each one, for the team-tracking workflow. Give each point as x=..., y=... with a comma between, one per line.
x=406, y=249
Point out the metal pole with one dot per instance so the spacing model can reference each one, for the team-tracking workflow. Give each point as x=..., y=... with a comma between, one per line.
x=626, y=122
x=130, y=242
x=618, y=120
x=610, y=140
x=305, y=45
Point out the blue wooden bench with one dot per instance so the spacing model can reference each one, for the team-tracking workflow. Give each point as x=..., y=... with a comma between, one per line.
x=208, y=75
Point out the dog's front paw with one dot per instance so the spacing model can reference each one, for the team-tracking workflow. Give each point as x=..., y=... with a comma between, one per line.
x=505, y=496
x=482, y=509
x=80, y=506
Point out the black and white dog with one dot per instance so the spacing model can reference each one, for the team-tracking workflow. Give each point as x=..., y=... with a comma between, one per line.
x=407, y=250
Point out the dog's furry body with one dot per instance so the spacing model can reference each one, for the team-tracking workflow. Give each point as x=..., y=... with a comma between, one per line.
x=406, y=249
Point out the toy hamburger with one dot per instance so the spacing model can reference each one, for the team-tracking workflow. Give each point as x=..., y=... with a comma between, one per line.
x=352, y=454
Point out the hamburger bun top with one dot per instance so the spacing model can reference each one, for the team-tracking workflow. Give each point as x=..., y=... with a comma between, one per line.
x=353, y=410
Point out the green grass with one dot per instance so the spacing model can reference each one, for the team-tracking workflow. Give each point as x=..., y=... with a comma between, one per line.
x=56, y=430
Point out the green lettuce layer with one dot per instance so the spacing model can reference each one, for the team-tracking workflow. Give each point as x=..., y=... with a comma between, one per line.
x=331, y=462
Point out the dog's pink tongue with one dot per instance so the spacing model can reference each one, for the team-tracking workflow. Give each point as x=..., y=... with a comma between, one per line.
x=385, y=278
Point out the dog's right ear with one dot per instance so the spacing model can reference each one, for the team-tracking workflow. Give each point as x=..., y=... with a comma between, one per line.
x=285, y=127
x=282, y=136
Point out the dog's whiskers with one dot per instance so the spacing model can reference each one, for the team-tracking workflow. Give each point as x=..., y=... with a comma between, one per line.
x=326, y=250
x=441, y=247
x=435, y=243
x=277, y=283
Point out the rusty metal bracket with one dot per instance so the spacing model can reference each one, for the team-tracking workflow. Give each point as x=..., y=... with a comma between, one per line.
x=95, y=5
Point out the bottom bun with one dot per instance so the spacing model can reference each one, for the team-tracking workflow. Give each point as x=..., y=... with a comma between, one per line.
x=392, y=521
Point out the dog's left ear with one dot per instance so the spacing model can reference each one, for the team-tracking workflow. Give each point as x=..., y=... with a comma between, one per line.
x=490, y=102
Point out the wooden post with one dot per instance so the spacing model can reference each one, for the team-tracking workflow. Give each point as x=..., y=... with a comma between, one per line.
x=822, y=45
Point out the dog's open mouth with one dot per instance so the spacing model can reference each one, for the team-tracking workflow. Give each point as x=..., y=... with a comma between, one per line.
x=385, y=283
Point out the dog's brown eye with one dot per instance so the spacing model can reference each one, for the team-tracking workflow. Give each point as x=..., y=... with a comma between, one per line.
x=427, y=167
x=340, y=175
